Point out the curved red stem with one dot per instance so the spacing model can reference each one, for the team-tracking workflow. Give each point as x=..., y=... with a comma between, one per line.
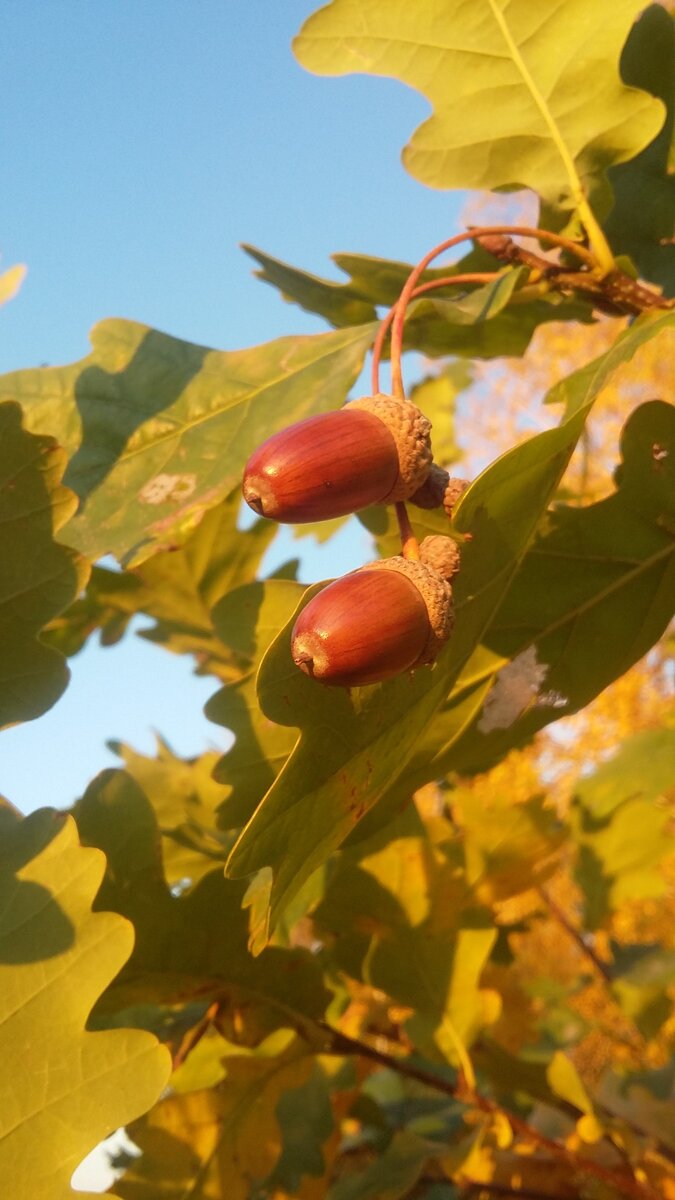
x=542, y=235
x=430, y=286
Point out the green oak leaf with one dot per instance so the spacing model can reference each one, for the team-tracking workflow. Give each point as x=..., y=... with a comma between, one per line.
x=178, y=588
x=63, y=1089
x=643, y=766
x=393, y=1174
x=158, y=430
x=306, y=1119
x=641, y=222
x=523, y=95
x=192, y=946
x=592, y=596
x=185, y=799
x=106, y=607
x=353, y=745
x=574, y=390
x=620, y=831
x=508, y=848
x=454, y=324
x=251, y=617
x=221, y=1141
x=437, y=396
x=39, y=575
x=341, y=304
x=406, y=919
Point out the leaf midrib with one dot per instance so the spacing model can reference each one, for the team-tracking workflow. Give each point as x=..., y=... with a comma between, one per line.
x=538, y=98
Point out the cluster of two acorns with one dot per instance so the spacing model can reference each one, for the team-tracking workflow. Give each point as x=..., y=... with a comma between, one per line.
x=389, y=616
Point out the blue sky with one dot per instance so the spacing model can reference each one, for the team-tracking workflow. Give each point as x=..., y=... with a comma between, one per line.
x=141, y=142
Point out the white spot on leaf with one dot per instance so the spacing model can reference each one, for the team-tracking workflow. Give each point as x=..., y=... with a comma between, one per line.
x=517, y=689
x=167, y=487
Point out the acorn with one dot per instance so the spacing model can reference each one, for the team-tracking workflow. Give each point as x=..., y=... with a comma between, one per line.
x=375, y=450
x=385, y=618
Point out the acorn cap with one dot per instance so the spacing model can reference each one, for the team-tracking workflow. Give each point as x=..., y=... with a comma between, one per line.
x=410, y=430
x=441, y=553
x=437, y=595
x=454, y=491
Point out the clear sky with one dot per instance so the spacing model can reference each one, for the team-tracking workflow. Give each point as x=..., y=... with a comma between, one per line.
x=142, y=140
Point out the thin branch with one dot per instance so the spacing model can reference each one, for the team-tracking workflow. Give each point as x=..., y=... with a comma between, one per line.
x=340, y=1043
x=470, y=235
x=576, y=935
x=194, y=1036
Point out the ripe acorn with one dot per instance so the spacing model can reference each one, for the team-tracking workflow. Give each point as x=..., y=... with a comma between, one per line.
x=385, y=618
x=372, y=451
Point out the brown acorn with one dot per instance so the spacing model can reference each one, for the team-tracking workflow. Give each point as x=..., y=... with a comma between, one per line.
x=373, y=451
x=374, y=623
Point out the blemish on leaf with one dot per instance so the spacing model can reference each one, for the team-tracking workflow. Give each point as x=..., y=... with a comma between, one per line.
x=167, y=487
x=517, y=688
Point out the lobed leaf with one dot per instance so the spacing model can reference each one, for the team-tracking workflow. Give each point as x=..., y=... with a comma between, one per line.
x=452, y=324
x=620, y=831
x=63, y=1089
x=219, y=1142
x=404, y=920
x=251, y=615
x=185, y=800
x=523, y=95
x=641, y=222
x=592, y=595
x=39, y=575
x=192, y=946
x=158, y=430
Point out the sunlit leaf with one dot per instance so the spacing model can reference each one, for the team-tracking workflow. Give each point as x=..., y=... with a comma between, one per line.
x=522, y=95
x=592, y=595
x=10, y=282
x=508, y=847
x=621, y=831
x=436, y=395
x=250, y=617
x=178, y=588
x=39, y=576
x=63, y=1089
x=564, y=1080
x=354, y=745
x=422, y=941
x=159, y=430
x=220, y=1142
x=185, y=799
x=454, y=324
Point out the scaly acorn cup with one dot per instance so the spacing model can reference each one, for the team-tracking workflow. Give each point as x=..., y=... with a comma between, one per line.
x=375, y=450
x=385, y=618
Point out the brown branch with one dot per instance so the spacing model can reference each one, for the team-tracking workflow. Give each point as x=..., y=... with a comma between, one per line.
x=576, y=935
x=340, y=1043
x=194, y=1036
x=616, y=293
x=503, y=1189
